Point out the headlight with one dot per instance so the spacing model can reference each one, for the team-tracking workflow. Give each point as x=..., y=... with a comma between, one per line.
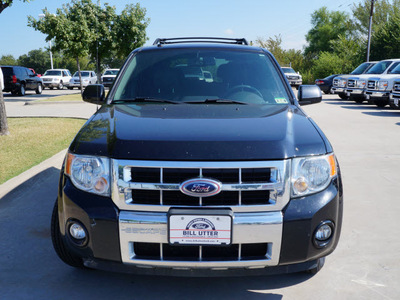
x=85, y=80
x=361, y=83
x=89, y=173
x=55, y=79
x=382, y=85
x=312, y=174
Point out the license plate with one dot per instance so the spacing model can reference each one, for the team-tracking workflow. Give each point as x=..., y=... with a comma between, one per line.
x=193, y=229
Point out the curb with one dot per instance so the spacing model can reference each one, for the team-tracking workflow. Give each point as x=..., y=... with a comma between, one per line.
x=11, y=184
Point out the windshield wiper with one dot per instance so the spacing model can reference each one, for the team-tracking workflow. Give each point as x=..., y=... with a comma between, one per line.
x=146, y=99
x=216, y=101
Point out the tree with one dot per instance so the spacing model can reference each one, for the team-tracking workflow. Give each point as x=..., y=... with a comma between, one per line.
x=326, y=27
x=69, y=28
x=3, y=115
x=8, y=60
x=384, y=11
x=83, y=28
x=386, y=40
x=273, y=45
x=38, y=60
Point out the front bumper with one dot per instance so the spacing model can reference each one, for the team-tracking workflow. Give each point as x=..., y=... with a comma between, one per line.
x=338, y=90
x=394, y=99
x=113, y=234
x=377, y=95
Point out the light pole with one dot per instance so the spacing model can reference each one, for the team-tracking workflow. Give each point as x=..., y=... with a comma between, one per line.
x=51, y=54
x=370, y=29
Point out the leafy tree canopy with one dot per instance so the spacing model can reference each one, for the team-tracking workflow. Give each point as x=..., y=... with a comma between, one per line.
x=384, y=11
x=326, y=26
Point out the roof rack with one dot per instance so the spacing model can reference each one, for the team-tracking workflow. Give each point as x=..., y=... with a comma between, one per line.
x=164, y=41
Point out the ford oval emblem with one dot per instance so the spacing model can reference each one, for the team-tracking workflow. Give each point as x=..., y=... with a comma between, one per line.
x=200, y=187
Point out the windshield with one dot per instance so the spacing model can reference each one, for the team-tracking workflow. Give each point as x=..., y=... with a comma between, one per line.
x=380, y=67
x=361, y=68
x=289, y=70
x=200, y=75
x=83, y=74
x=111, y=72
x=52, y=73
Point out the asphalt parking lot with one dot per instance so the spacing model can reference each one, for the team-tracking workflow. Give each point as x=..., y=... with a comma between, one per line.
x=366, y=264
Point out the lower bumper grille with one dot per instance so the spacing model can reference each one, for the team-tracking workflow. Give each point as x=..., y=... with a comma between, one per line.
x=154, y=251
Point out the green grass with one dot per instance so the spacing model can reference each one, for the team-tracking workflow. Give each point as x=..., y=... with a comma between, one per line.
x=70, y=97
x=33, y=140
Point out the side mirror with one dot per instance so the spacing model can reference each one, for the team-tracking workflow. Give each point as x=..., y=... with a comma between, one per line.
x=94, y=93
x=309, y=94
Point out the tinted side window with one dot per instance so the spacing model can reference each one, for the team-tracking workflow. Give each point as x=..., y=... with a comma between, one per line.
x=65, y=73
x=392, y=67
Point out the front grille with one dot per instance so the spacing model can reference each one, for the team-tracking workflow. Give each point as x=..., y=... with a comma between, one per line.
x=160, y=186
x=396, y=86
x=293, y=77
x=47, y=79
x=351, y=83
x=371, y=84
x=234, y=252
x=243, y=186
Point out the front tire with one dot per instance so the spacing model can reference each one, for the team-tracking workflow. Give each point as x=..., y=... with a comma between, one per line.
x=343, y=96
x=58, y=243
x=39, y=89
x=60, y=85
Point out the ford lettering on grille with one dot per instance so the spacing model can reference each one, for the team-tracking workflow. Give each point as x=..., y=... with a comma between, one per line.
x=200, y=187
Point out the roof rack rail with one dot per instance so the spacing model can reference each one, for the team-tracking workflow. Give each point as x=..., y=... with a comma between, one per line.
x=164, y=41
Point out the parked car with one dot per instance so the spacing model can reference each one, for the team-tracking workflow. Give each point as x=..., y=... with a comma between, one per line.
x=379, y=88
x=326, y=84
x=340, y=82
x=394, y=98
x=18, y=80
x=356, y=85
x=294, y=78
x=88, y=77
x=56, y=78
x=109, y=76
x=175, y=175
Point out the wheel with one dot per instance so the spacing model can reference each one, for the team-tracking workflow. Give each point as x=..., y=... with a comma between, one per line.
x=60, y=85
x=318, y=267
x=39, y=88
x=359, y=100
x=381, y=104
x=70, y=87
x=327, y=92
x=58, y=242
x=51, y=87
x=393, y=106
x=21, y=91
x=14, y=92
x=343, y=96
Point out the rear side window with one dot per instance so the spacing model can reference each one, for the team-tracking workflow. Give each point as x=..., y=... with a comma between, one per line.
x=7, y=71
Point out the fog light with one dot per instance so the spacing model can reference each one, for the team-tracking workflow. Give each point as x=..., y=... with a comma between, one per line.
x=323, y=234
x=77, y=231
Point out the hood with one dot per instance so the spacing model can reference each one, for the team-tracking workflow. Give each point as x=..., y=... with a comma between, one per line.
x=200, y=132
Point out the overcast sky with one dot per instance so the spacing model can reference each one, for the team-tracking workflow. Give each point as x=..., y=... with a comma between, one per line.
x=177, y=18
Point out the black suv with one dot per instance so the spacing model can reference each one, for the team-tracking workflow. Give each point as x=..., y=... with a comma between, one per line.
x=19, y=79
x=184, y=173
